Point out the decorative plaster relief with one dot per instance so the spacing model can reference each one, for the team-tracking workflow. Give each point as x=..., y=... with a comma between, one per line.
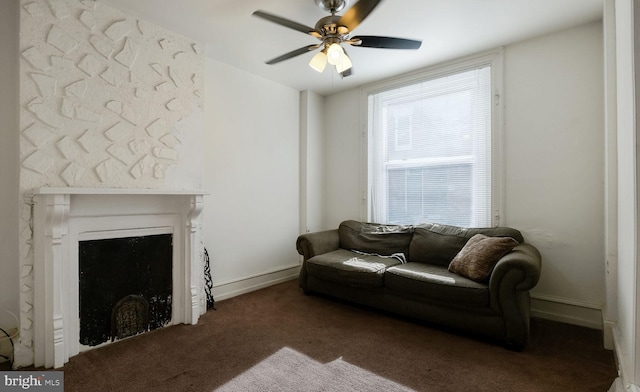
x=135, y=117
x=109, y=170
x=91, y=4
x=37, y=134
x=142, y=168
x=60, y=8
x=122, y=154
x=196, y=80
x=141, y=93
x=174, y=105
x=165, y=153
x=36, y=58
x=115, y=106
x=101, y=45
x=157, y=67
x=112, y=77
x=73, y=174
x=76, y=89
x=33, y=9
x=160, y=171
x=164, y=86
x=139, y=146
x=118, y=132
x=85, y=114
x=169, y=140
x=62, y=63
x=177, y=75
x=61, y=40
x=88, y=19
x=91, y=142
x=157, y=128
x=69, y=148
x=67, y=108
x=46, y=84
x=39, y=162
x=127, y=56
x=143, y=27
x=165, y=43
x=45, y=113
x=117, y=30
x=89, y=64
x=197, y=49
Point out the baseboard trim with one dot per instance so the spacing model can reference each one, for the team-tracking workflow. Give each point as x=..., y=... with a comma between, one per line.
x=234, y=287
x=567, y=311
x=624, y=370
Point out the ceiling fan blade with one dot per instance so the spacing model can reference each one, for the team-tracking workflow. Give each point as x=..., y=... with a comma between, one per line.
x=372, y=41
x=286, y=23
x=292, y=54
x=356, y=14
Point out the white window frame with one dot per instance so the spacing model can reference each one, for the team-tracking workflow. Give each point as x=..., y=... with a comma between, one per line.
x=495, y=60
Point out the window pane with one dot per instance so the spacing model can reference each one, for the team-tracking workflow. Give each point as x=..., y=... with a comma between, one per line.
x=430, y=150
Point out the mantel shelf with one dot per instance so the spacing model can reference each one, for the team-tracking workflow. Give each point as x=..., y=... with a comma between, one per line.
x=115, y=191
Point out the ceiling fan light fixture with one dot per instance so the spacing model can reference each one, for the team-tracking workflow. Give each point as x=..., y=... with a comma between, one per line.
x=335, y=54
x=319, y=61
x=335, y=30
x=344, y=65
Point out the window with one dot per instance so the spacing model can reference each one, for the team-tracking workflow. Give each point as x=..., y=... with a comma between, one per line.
x=431, y=148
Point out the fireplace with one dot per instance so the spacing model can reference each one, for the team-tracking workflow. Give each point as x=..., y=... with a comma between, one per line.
x=65, y=220
x=125, y=286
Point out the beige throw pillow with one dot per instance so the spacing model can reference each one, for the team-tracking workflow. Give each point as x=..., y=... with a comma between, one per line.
x=480, y=254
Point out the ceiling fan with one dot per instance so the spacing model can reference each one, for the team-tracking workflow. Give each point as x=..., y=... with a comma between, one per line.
x=335, y=30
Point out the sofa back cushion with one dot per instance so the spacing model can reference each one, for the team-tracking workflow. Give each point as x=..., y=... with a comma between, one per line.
x=433, y=243
x=375, y=238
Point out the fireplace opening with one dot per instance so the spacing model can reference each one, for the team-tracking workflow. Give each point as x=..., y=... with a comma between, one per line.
x=125, y=286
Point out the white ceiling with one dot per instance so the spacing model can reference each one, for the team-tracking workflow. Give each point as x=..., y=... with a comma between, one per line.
x=447, y=28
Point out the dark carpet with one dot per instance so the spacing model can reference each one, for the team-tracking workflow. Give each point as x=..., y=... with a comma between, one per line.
x=250, y=328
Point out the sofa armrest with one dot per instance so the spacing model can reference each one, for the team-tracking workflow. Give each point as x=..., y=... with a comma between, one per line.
x=512, y=278
x=520, y=267
x=317, y=243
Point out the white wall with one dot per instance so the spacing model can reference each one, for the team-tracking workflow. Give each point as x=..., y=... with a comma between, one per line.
x=343, y=158
x=554, y=165
x=553, y=160
x=9, y=147
x=312, y=125
x=251, y=150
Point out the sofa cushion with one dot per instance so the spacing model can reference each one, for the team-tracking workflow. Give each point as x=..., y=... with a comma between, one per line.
x=434, y=282
x=438, y=244
x=479, y=255
x=350, y=268
x=375, y=238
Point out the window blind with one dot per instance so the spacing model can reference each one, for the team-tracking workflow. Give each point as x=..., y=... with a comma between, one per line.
x=430, y=151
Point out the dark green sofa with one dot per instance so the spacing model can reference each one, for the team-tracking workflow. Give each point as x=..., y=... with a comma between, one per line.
x=355, y=263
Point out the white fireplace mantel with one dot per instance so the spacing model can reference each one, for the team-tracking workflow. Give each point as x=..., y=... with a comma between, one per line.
x=64, y=216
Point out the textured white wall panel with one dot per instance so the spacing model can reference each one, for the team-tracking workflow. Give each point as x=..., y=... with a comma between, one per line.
x=107, y=101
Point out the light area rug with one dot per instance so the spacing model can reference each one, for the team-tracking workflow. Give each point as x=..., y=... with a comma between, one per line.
x=288, y=370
